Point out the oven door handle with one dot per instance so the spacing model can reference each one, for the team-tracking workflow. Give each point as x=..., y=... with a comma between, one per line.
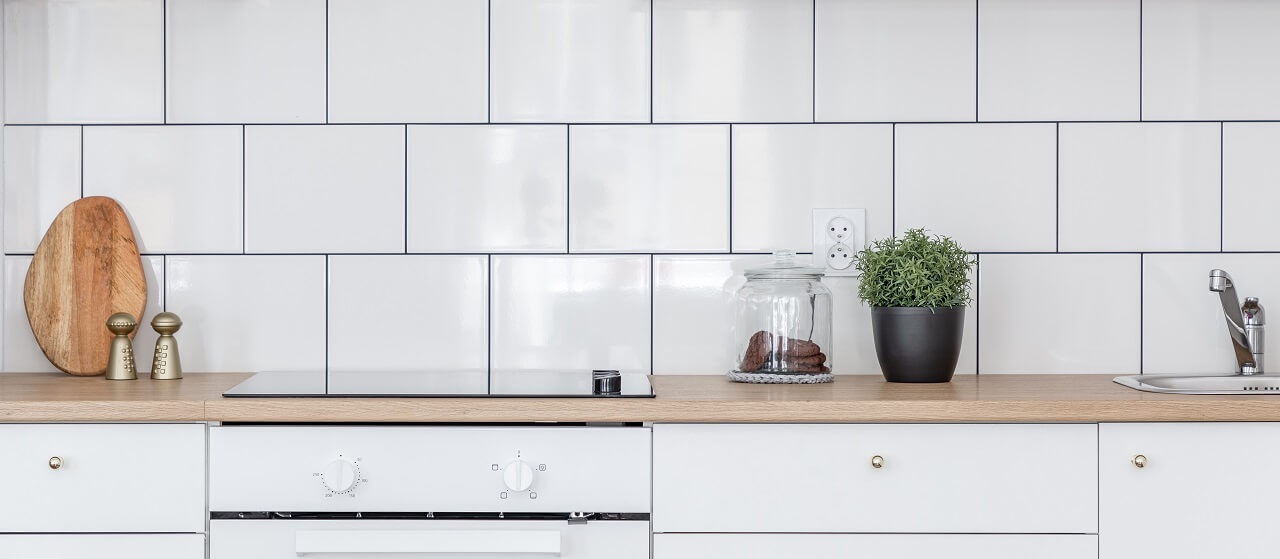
x=315, y=542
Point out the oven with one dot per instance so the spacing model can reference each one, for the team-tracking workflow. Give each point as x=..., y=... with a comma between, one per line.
x=365, y=491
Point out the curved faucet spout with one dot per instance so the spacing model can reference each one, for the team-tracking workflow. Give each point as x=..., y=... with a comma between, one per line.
x=1221, y=283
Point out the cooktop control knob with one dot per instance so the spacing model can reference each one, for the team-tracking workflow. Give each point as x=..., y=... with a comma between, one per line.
x=340, y=476
x=518, y=476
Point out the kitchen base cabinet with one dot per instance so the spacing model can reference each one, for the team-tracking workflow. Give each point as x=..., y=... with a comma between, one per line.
x=1203, y=490
x=880, y=546
x=103, y=546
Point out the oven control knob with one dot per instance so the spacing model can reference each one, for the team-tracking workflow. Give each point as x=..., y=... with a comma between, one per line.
x=339, y=476
x=518, y=475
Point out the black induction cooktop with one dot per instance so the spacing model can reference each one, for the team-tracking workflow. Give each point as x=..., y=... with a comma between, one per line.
x=522, y=383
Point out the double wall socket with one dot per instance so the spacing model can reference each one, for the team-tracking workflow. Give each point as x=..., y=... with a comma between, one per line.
x=838, y=236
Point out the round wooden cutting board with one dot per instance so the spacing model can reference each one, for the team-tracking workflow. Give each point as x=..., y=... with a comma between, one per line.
x=86, y=268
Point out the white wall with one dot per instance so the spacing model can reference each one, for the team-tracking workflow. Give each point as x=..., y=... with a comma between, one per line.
x=577, y=183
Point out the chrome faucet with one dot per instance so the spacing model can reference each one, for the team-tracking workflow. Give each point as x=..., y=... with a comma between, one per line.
x=1244, y=322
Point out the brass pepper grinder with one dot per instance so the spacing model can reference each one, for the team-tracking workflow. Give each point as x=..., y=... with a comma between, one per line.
x=165, y=364
x=120, y=365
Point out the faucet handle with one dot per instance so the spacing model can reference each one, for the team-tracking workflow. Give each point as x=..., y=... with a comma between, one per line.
x=1254, y=314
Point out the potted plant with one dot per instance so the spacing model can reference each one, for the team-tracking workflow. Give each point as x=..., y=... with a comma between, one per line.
x=917, y=287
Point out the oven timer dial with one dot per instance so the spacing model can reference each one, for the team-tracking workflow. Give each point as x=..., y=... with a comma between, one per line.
x=518, y=475
x=340, y=476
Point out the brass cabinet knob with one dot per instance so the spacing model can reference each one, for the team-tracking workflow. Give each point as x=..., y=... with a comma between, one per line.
x=55, y=462
x=877, y=461
x=1139, y=461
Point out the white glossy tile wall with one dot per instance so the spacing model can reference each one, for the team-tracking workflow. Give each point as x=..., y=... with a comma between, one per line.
x=1139, y=187
x=1210, y=60
x=649, y=188
x=732, y=60
x=571, y=312
x=22, y=353
x=407, y=60
x=1183, y=327
x=1058, y=59
x=180, y=185
x=1060, y=313
x=41, y=176
x=570, y=60
x=249, y=313
x=245, y=61
x=409, y=313
x=83, y=61
x=677, y=133
x=782, y=172
x=1250, y=186
x=989, y=186
x=324, y=189
x=488, y=188
x=895, y=60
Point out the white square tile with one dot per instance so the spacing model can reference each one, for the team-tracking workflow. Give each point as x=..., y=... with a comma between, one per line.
x=694, y=312
x=180, y=184
x=240, y=61
x=570, y=61
x=1055, y=314
x=488, y=188
x=570, y=312
x=1250, y=186
x=22, y=353
x=1139, y=187
x=249, y=313
x=1183, y=326
x=648, y=188
x=781, y=172
x=324, y=189
x=895, y=60
x=732, y=60
x=1210, y=60
x=387, y=313
x=408, y=60
x=1058, y=59
x=41, y=176
x=989, y=186
x=83, y=61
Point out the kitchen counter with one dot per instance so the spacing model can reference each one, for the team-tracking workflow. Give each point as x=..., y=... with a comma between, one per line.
x=865, y=398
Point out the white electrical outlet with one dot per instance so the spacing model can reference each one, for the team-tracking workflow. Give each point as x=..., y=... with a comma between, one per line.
x=838, y=236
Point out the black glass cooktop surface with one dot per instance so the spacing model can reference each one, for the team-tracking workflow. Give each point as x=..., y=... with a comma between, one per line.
x=527, y=383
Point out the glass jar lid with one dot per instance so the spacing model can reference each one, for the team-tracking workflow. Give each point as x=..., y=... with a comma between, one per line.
x=785, y=267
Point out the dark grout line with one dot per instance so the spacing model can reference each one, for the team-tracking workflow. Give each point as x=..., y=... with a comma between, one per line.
x=406, y=189
x=1222, y=186
x=651, y=61
x=643, y=123
x=82, y=162
x=1142, y=321
x=568, y=172
x=244, y=193
x=977, y=314
x=813, y=71
x=488, y=330
x=1057, y=187
x=977, y=44
x=653, y=289
x=730, y=188
x=488, y=76
x=1140, y=56
x=893, y=180
x=326, y=70
x=164, y=62
x=326, y=324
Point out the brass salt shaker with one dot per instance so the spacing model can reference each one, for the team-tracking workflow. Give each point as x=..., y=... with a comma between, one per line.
x=120, y=365
x=165, y=364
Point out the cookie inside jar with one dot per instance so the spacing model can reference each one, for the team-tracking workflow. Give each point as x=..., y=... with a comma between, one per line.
x=784, y=324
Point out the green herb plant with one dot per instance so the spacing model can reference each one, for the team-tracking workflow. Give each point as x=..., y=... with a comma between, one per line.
x=917, y=270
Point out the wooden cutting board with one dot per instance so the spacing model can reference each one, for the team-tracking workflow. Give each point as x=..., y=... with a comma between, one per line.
x=86, y=268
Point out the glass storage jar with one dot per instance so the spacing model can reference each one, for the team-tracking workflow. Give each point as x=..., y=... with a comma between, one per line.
x=784, y=324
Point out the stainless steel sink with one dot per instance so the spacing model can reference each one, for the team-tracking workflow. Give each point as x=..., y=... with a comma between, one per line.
x=1215, y=384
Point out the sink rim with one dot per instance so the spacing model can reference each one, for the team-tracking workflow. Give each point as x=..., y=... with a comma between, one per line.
x=1140, y=382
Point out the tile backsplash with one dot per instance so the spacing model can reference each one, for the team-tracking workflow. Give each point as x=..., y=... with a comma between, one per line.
x=513, y=184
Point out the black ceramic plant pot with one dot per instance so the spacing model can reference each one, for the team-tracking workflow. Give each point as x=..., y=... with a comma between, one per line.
x=917, y=344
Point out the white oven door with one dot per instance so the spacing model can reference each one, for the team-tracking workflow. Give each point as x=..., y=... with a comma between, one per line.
x=428, y=539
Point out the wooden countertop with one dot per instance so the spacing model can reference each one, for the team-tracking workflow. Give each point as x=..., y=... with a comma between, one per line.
x=29, y=397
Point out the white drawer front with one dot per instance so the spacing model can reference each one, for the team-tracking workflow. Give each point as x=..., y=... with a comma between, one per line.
x=884, y=546
x=103, y=546
x=113, y=478
x=439, y=539
x=820, y=478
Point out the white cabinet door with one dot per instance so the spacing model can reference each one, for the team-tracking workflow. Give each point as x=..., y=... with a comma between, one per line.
x=880, y=546
x=103, y=546
x=1204, y=490
x=438, y=539
x=820, y=478
x=110, y=478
